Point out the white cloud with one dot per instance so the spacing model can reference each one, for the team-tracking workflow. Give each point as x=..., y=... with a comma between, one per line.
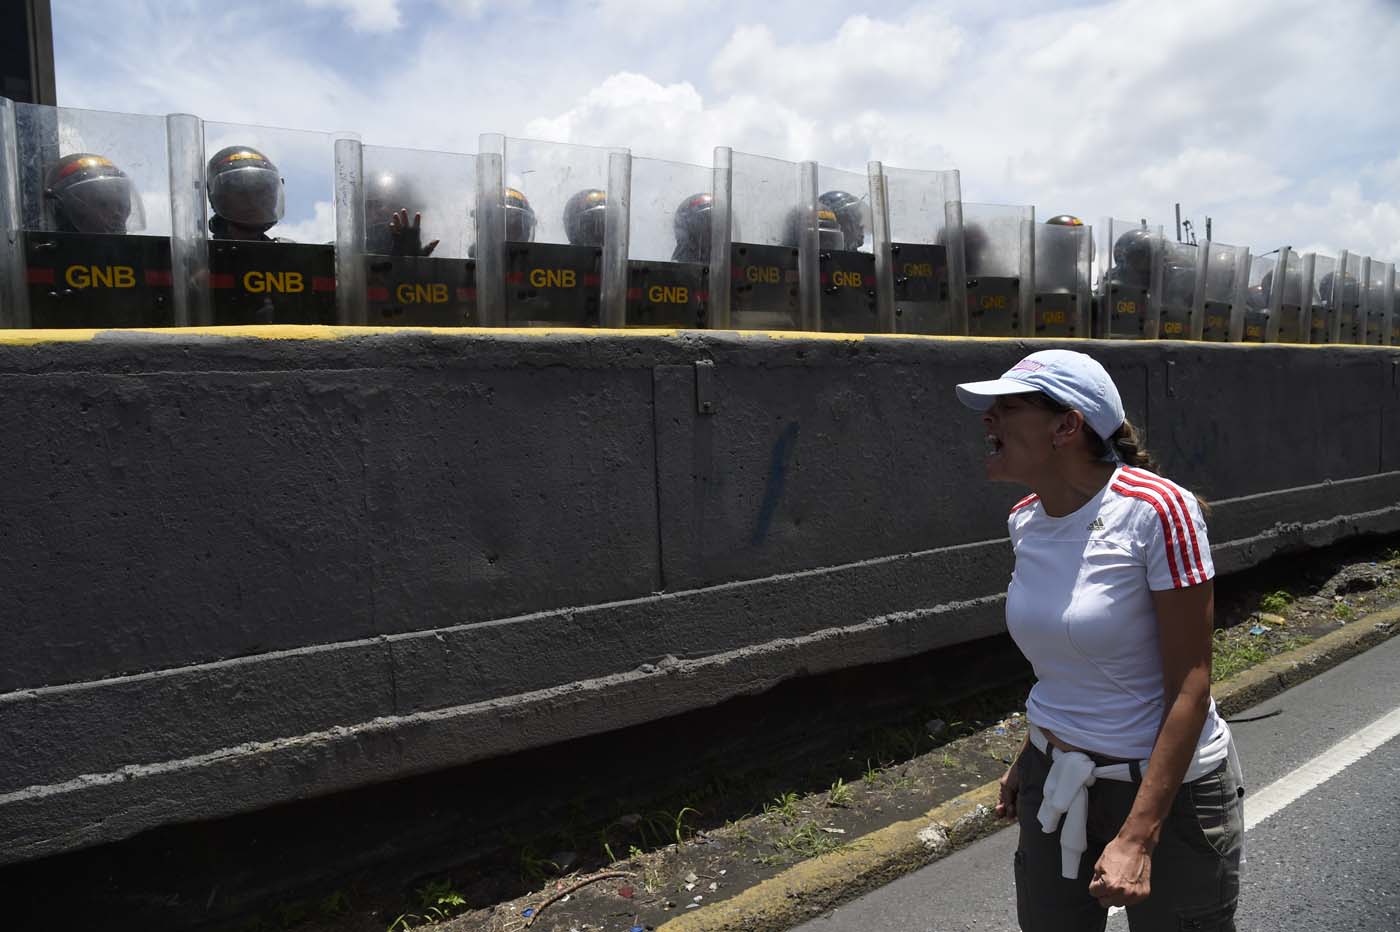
x=1269, y=115
x=364, y=15
x=317, y=228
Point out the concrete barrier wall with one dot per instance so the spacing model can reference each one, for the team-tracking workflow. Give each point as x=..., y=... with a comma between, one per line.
x=239, y=571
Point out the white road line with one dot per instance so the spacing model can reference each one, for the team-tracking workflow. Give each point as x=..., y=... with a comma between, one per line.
x=1259, y=806
x=1309, y=776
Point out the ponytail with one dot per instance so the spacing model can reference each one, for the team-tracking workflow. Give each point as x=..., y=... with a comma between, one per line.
x=1129, y=449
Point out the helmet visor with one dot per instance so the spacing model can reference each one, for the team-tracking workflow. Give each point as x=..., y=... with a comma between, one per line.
x=250, y=196
x=105, y=204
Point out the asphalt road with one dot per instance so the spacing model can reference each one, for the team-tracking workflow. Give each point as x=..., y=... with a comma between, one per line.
x=1328, y=859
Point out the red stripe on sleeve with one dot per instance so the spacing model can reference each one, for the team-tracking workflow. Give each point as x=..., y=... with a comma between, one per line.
x=1166, y=525
x=1185, y=513
x=1028, y=500
x=1179, y=536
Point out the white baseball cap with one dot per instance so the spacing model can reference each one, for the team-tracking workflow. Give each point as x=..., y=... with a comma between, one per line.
x=1071, y=378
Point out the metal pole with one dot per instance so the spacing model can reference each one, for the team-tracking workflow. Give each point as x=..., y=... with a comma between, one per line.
x=189, y=236
x=14, y=288
x=617, y=237
x=721, y=214
x=884, y=255
x=351, y=280
x=809, y=285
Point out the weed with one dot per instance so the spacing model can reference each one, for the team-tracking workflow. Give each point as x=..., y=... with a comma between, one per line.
x=334, y=904
x=678, y=825
x=947, y=761
x=535, y=869
x=1343, y=611
x=784, y=807
x=806, y=841
x=839, y=794
x=633, y=852
x=872, y=774
x=1276, y=602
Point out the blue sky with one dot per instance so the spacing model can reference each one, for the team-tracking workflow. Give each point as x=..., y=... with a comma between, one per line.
x=1275, y=118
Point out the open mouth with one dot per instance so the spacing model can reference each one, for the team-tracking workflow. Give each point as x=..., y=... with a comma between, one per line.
x=993, y=443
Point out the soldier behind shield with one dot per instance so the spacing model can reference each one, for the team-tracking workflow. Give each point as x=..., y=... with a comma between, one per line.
x=394, y=217
x=246, y=194
x=88, y=193
x=584, y=217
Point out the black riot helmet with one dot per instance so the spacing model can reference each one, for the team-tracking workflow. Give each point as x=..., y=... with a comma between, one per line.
x=850, y=216
x=245, y=188
x=1257, y=297
x=520, y=218
x=1348, y=290
x=89, y=194
x=584, y=215
x=1065, y=220
x=691, y=224
x=1132, y=258
x=975, y=245
x=386, y=193
x=829, y=235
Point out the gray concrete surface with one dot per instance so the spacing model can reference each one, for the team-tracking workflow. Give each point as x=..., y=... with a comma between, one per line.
x=243, y=571
x=1327, y=861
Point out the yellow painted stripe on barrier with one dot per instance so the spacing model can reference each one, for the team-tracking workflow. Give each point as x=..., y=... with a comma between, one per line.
x=334, y=332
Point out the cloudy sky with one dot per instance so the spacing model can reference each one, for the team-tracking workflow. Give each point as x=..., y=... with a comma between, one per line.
x=1278, y=119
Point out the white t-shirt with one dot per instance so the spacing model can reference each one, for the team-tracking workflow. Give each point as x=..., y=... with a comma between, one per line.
x=1080, y=608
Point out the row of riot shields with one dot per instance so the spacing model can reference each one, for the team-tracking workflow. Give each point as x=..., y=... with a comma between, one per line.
x=1151, y=287
x=115, y=220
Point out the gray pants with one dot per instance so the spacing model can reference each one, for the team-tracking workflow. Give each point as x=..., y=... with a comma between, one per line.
x=1195, y=867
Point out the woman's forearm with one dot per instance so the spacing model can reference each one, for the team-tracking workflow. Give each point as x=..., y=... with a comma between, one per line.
x=1171, y=758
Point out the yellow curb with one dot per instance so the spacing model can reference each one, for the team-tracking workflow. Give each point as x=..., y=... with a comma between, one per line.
x=816, y=885
x=812, y=887
x=1268, y=679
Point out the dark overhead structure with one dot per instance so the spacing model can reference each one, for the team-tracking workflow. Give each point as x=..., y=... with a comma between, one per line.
x=26, y=52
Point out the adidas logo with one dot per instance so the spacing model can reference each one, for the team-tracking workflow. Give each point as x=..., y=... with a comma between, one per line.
x=1096, y=524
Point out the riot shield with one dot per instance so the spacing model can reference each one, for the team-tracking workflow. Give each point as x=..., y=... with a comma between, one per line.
x=91, y=199
x=1063, y=255
x=772, y=209
x=1290, y=303
x=846, y=255
x=1378, y=303
x=1258, y=325
x=1345, y=324
x=921, y=286
x=670, y=212
x=998, y=255
x=410, y=235
x=1330, y=287
x=552, y=208
x=271, y=220
x=1130, y=259
x=1224, y=283
x=1179, y=307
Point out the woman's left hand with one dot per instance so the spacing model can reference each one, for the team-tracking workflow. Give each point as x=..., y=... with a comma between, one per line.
x=1123, y=874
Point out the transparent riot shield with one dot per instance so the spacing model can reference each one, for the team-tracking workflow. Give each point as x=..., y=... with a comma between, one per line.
x=270, y=214
x=922, y=285
x=408, y=236
x=1063, y=253
x=1336, y=292
x=1258, y=296
x=846, y=253
x=1130, y=264
x=1345, y=324
x=999, y=257
x=1289, y=290
x=1378, y=303
x=773, y=218
x=1223, y=284
x=551, y=219
x=669, y=230
x=1180, y=306
x=91, y=199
